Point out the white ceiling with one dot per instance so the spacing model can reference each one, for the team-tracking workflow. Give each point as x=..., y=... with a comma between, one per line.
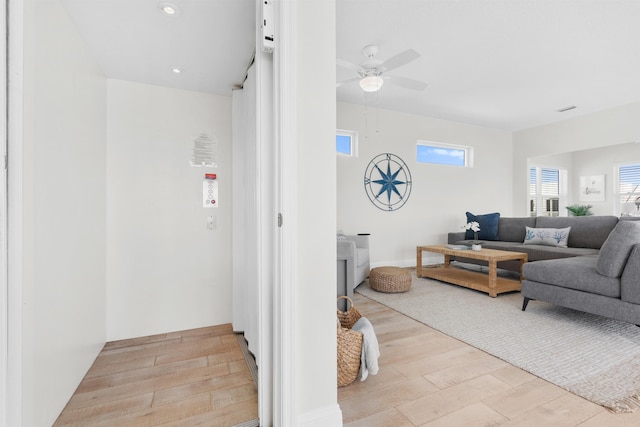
x=212, y=41
x=508, y=64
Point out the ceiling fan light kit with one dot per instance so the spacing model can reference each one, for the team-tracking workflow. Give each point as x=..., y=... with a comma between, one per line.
x=371, y=83
x=168, y=9
x=370, y=72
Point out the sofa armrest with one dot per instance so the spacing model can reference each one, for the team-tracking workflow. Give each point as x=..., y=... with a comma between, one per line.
x=361, y=240
x=455, y=237
x=346, y=249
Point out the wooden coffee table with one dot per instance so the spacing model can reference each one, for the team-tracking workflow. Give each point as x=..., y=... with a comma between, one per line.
x=491, y=283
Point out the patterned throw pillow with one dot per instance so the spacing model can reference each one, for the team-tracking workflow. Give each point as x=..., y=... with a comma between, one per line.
x=547, y=236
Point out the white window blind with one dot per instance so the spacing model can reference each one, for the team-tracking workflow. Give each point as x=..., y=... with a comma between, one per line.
x=550, y=182
x=544, y=191
x=629, y=188
x=532, y=181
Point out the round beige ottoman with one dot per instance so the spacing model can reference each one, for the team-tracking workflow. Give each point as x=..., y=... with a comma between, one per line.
x=390, y=279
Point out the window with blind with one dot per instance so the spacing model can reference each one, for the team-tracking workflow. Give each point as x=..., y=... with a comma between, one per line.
x=628, y=189
x=544, y=191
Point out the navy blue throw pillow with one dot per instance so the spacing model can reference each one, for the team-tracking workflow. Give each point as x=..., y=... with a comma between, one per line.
x=488, y=226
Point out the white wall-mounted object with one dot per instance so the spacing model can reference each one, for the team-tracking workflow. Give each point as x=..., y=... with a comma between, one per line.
x=212, y=223
x=210, y=191
x=267, y=26
x=592, y=188
x=205, y=151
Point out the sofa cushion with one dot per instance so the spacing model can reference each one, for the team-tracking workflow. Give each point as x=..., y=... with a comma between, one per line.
x=616, y=249
x=547, y=236
x=578, y=273
x=538, y=252
x=488, y=226
x=629, y=283
x=586, y=231
x=513, y=229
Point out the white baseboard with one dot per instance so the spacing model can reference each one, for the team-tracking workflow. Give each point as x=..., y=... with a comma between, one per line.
x=329, y=416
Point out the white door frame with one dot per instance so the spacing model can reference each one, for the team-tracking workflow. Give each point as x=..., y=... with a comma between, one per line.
x=276, y=236
x=265, y=229
x=286, y=273
x=278, y=326
x=13, y=398
x=4, y=306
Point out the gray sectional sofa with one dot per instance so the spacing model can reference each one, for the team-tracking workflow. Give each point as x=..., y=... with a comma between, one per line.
x=598, y=272
x=607, y=284
x=586, y=237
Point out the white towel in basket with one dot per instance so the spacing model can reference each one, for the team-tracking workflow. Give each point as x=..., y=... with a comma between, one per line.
x=370, y=348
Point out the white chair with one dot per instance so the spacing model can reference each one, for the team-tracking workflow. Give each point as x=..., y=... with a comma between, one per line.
x=353, y=264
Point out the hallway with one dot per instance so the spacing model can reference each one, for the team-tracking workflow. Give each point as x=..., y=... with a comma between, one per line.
x=187, y=378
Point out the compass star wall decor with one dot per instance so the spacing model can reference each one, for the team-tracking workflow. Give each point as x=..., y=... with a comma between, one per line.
x=387, y=181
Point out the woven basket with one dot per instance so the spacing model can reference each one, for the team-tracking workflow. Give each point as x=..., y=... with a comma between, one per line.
x=350, y=317
x=349, y=351
x=390, y=279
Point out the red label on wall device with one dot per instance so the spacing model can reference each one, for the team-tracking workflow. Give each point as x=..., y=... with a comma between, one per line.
x=209, y=176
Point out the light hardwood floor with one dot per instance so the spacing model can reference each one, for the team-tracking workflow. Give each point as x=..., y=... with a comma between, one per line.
x=190, y=378
x=426, y=378
x=429, y=379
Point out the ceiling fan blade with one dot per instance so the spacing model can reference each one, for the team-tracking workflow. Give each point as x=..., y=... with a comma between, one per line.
x=399, y=60
x=344, y=82
x=347, y=64
x=406, y=83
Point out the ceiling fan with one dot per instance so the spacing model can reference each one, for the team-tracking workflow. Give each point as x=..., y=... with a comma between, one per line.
x=370, y=73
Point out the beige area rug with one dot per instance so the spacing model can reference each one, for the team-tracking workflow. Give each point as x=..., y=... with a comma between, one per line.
x=591, y=356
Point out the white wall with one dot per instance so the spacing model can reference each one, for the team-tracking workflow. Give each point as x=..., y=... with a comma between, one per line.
x=315, y=358
x=595, y=161
x=64, y=219
x=440, y=195
x=603, y=129
x=165, y=270
x=601, y=161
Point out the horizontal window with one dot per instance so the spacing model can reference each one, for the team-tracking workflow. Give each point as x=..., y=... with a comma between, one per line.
x=444, y=154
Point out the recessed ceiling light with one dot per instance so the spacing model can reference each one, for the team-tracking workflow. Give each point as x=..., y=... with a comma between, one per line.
x=168, y=9
x=176, y=70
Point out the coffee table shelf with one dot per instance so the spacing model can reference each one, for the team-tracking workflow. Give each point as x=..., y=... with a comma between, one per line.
x=489, y=283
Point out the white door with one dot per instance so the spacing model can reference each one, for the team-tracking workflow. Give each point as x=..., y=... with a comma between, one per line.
x=254, y=221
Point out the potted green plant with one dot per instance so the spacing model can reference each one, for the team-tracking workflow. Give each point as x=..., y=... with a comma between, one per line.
x=580, y=210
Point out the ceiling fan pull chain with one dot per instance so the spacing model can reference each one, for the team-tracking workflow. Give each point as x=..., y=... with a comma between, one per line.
x=377, y=112
x=366, y=115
